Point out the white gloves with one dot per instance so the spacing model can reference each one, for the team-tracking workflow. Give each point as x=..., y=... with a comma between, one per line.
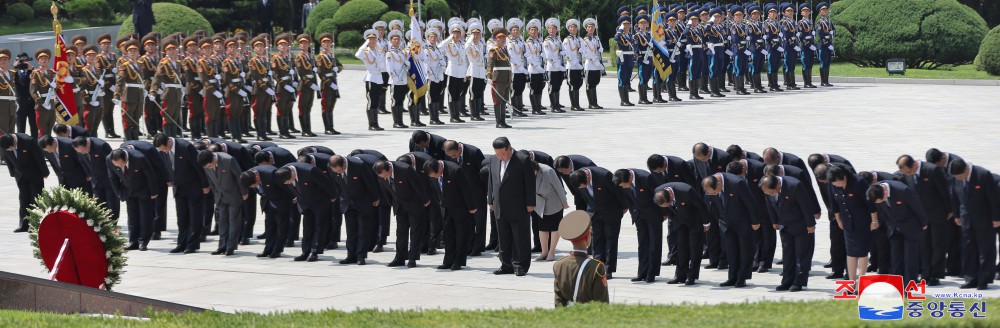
x=269, y=91
x=333, y=86
x=336, y=69
x=95, y=103
x=217, y=94
x=69, y=79
x=314, y=87
x=242, y=93
x=289, y=88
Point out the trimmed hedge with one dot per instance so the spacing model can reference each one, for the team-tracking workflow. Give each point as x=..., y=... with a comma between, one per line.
x=170, y=18
x=324, y=26
x=358, y=15
x=349, y=39
x=989, y=52
x=324, y=10
x=395, y=15
x=41, y=8
x=436, y=9
x=90, y=11
x=20, y=12
x=929, y=33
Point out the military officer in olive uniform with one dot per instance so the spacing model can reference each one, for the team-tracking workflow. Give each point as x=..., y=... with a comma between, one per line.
x=498, y=69
x=167, y=84
x=579, y=278
x=42, y=83
x=328, y=67
x=129, y=90
x=8, y=101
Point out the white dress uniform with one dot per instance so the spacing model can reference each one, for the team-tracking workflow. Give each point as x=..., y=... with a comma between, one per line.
x=553, y=53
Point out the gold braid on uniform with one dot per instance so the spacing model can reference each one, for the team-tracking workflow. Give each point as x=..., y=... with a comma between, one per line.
x=166, y=69
x=306, y=63
x=279, y=62
x=499, y=54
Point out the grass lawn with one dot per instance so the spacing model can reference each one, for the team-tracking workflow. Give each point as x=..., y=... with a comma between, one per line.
x=829, y=313
x=963, y=72
x=37, y=25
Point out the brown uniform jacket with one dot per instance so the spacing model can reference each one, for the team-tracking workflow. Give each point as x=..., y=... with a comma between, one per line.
x=281, y=67
x=594, y=284
x=87, y=81
x=39, y=86
x=168, y=77
x=209, y=68
x=7, y=90
x=129, y=85
x=325, y=63
x=107, y=63
x=305, y=68
x=148, y=63
x=192, y=82
x=260, y=75
x=502, y=77
x=231, y=69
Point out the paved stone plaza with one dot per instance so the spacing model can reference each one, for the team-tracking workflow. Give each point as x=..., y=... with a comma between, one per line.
x=870, y=124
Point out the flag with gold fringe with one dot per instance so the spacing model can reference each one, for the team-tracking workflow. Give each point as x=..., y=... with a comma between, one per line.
x=661, y=57
x=66, y=111
x=417, y=76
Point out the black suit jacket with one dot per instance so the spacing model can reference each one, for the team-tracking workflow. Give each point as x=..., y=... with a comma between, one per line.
x=95, y=159
x=511, y=194
x=641, y=204
x=717, y=163
x=313, y=188
x=371, y=152
x=793, y=209
x=142, y=15
x=188, y=177
x=804, y=178
x=141, y=182
x=609, y=198
x=281, y=156
x=265, y=12
x=975, y=202
x=322, y=161
x=271, y=192
x=324, y=150
x=542, y=157
x=77, y=131
x=408, y=188
x=793, y=160
x=361, y=185
x=435, y=147
x=689, y=205
x=154, y=158
x=755, y=171
x=905, y=213
x=734, y=206
x=471, y=162
x=579, y=161
x=29, y=164
x=456, y=191
x=932, y=187
x=369, y=160
x=69, y=167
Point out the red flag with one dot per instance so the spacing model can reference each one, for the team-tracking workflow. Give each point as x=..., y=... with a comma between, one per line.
x=66, y=111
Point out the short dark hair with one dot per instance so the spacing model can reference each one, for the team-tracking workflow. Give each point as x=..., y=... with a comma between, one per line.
x=907, y=161
x=735, y=167
x=735, y=152
x=815, y=160
x=419, y=136
x=820, y=172
x=621, y=175
x=655, y=161
x=160, y=140
x=933, y=155
x=577, y=178
x=381, y=167
x=769, y=182
x=562, y=162
x=710, y=181
x=450, y=145
x=261, y=157
x=868, y=177
x=199, y=146
x=700, y=148
x=80, y=141
x=60, y=129
x=337, y=161
x=958, y=166
x=214, y=147
x=248, y=178
x=205, y=157
x=405, y=158
x=771, y=153
x=118, y=155
x=501, y=143
x=282, y=174
x=432, y=166
x=875, y=192
x=6, y=141
x=774, y=169
x=305, y=158
x=837, y=172
x=46, y=141
x=306, y=150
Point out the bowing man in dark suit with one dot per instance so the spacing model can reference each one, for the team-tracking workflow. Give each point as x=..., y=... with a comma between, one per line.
x=94, y=153
x=685, y=205
x=820, y=165
x=607, y=204
x=512, y=198
x=66, y=163
x=359, y=202
x=906, y=220
x=223, y=172
x=428, y=143
x=791, y=214
x=931, y=183
x=276, y=201
x=566, y=164
x=160, y=169
x=314, y=192
x=732, y=204
x=27, y=166
x=775, y=157
x=736, y=152
x=275, y=156
x=190, y=187
x=70, y=131
x=379, y=229
x=435, y=219
x=336, y=219
x=316, y=149
x=243, y=157
x=940, y=158
x=470, y=158
x=707, y=160
x=977, y=211
x=765, y=240
x=134, y=182
x=370, y=152
x=665, y=168
x=410, y=202
x=881, y=253
x=451, y=183
x=646, y=216
x=541, y=157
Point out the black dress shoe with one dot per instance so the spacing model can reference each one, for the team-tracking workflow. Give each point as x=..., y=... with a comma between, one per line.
x=670, y=262
x=399, y=126
x=156, y=235
x=436, y=122
x=689, y=282
x=274, y=255
x=396, y=263
x=502, y=271
x=933, y=282
x=189, y=251
x=411, y=264
x=218, y=252
x=21, y=229
x=728, y=283
x=417, y=124
x=262, y=236
x=456, y=267
x=361, y=262
x=476, y=253
x=968, y=285
x=835, y=275
x=456, y=120
x=132, y=247
x=741, y=284
x=264, y=138
x=229, y=253
x=177, y=250
x=313, y=258
x=263, y=255
x=795, y=288
x=827, y=266
x=112, y=135
x=301, y=258
x=712, y=266
x=638, y=279
x=650, y=279
x=762, y=270
x=536, y=249
x=286, y=136
x=245, y=241
x=213, y=233
x=334, y=132
x=521, y=273
x=782, y=288
x=432, y=251
x=348, y=261
x=491, y=246
x=675, y=281
x=443, y=267
x=289, y=243
x=334, y=246
x=143, y=248
x=375, y=128
x=723, y=266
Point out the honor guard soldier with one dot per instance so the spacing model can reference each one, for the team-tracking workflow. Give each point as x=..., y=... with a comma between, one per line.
x=693, y=43
x=573, y=62
x=682, y=60
x=328, y=67
x=476, y=56
x=91, y=83
x=79, y=41
x=536, y=65
x=714, y=37
x=740, y=41
x=42, y=88
x=774, y=45
x=283, y=70
x=209, y=72
x=808, y=52
x=579, y=278
x=454, y=49
x=129, y=90
x=74, y=77
x=371, y=56
x=382, y=43
x=235, y=94
x=553, y=52
x=419, y=59
x=591, y=50
x=498, y=69
x=790, y=42
x=672, y=38
x=757, y=48
x=167, y=84
x=193, y=87
x=398, y=65
x=518, y=64
x=107, y=63
x=305, y=69
x=626, y=57
x=8, y=100
x=436, y=63
x=824, y=44
x=705, y=26
x=642, y=54
x=147, y=64
x=263, y=87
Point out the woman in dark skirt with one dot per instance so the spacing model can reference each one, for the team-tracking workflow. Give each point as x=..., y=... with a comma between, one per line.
x=550, y=200
x=854, y=215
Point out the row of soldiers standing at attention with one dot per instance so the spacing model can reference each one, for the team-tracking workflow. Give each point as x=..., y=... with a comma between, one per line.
x=708, y=43
x=205, y=85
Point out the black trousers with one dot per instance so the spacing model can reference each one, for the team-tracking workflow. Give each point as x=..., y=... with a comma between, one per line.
x=249, y=215
x=411, y=227
x=980, y=255
x=478, y=88
x=690, y=241
x=556, y=81
x=514, y=233
x=335, y=224
x=796, y=256
x=606, y=227
x=189, y=221
x=954, y=248
x=739, y=250
x=672, y=241
x=27, y=190
x=518, y=84
x=575, y=79
x=906, y=256
x=593, y=79
x=838, y=249
x=713, y=241
x=208, y=213
x=106, y=195
x=934, y=248
x=398, y=98
x=456, y=86
x=479, y=223
x=380, y=224
x=881, y=252
x=435, y=92
x=140, y=219
x=277, y=219
x=457, y=228
x=375, y=93
x=314, y=227
x=26, y=119
x=536, y=83
x=650, y=233
x=357, y=233
x=435, y=224
x=765, y=240
x=160, y=217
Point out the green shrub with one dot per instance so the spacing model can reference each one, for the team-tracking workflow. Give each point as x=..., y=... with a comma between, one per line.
x=358, y=15
x=349, y=39
x=324, y=26
x=928, y=34
x=20, y=12
x=324, y=10
x=436, y=9
x=41, y=8
x=90, y=11
x=989, y=52
x=395, y=15
x=170, y=18
x=613, y=48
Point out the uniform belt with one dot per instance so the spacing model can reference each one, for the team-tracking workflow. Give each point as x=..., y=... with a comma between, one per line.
x=235, y=80
x=807, y=38
x=642, y=52
x=76, y=89
x=328, y=74
x=743, y=42
x=694, y=46
x=627, y=53
x=8, y=98
x=197, y=78
x=713, y=45
x=501, y=68
x=776, y=40
x=285, y=78
x=760, y=40
x=109, y=75
x=264, y=79
x=308, y=76
x=172, y=85
x=212, y=80
x=133, y=85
